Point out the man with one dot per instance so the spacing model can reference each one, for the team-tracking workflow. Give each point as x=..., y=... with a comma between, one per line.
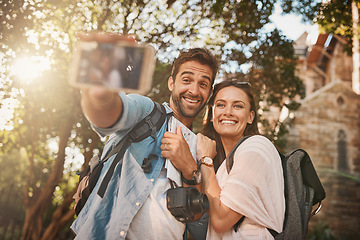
x=134, y=204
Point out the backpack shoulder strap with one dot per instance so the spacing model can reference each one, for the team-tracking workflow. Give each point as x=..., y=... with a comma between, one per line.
x=149, y=125
x=311, y=178
x=229, y=163
x=145, y=128
x=230, y=158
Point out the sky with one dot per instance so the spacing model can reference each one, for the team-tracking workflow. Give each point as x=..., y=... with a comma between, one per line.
x=290, y=24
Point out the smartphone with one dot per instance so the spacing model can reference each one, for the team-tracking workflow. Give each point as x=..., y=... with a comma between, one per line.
x=116, y=66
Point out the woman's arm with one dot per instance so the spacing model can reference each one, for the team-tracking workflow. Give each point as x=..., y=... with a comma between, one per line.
x=222, y=218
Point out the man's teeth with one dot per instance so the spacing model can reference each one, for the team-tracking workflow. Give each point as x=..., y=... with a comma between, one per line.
x=191, y=100
x=227, y=122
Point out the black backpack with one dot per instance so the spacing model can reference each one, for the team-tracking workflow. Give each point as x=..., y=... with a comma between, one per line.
x=303, y=190
x=89, y=177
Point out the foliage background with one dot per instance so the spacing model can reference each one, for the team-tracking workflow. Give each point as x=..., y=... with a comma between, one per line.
x=46, y=139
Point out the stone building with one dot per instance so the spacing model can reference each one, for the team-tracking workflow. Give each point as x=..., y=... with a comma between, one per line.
x=327, y=125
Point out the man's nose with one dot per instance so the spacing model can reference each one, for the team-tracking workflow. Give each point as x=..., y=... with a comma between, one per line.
x=194, y=89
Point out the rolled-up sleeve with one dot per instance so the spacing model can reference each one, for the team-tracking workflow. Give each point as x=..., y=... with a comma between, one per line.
x=135, y=108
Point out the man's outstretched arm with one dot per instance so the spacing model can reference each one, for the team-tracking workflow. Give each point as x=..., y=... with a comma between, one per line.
x=102, y=107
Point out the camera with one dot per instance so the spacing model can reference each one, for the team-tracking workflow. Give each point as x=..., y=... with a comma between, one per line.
x=185, y=202
x=120, y=65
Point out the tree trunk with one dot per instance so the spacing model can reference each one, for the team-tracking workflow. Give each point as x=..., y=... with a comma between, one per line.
x=36, y=207
x=61, y=217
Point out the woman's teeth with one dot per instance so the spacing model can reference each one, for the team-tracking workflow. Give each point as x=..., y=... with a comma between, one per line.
x=227, y=122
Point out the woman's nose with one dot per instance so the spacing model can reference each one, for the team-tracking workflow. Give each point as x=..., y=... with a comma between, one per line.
x=228, y=110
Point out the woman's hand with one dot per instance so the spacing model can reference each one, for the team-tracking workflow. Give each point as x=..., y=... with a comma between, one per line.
x=222, y=217
x=205, y=147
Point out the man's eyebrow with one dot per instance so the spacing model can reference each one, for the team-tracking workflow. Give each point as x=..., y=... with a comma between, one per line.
x=191, y=73
x=186, y=72
x=208, y=78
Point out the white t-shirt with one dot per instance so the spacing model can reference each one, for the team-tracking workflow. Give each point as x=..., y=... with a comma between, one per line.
x=154, y=220
x=254, y=188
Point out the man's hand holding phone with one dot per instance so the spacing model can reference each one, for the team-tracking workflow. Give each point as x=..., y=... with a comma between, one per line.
x=112, y=62
x=105, y=64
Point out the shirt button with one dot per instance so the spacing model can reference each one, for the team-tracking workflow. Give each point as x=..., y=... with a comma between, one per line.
x=152, y=180
x=122, y=233
x=137, y=203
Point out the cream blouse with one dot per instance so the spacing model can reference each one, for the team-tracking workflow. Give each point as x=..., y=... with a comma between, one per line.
x=254, y=188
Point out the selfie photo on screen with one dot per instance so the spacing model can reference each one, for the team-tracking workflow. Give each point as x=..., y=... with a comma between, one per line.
x=116, y=66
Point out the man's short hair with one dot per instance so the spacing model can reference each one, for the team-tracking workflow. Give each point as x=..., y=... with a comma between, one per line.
x=201, y=55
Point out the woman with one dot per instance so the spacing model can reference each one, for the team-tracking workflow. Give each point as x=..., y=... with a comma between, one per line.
x=254, y=188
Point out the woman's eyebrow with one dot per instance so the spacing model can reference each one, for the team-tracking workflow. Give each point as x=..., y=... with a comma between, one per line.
x=240, y=101
x=236, y=101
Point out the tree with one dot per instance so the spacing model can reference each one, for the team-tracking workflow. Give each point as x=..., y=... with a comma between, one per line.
x=47, y=110
x=13, y=171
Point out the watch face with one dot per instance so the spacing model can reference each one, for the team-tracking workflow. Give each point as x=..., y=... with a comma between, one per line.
x=207, y=161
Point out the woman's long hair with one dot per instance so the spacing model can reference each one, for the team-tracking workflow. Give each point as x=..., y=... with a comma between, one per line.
x=208, y=127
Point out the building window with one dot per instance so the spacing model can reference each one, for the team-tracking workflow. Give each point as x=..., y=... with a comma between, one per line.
x=340, y=101
x=342, y=151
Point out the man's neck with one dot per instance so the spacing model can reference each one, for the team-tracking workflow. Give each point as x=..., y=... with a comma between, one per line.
x=186, y=121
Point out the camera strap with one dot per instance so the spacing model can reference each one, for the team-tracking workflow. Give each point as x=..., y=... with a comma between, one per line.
x=145, y=128
x=173, y=184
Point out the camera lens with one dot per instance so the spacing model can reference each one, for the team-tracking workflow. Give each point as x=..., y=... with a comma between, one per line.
x=199, y=202
x=185, y=202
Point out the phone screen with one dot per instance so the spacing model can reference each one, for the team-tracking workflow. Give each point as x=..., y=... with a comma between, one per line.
x=115, y=66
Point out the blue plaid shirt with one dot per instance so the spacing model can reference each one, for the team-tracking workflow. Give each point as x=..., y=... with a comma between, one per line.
x=110, y=217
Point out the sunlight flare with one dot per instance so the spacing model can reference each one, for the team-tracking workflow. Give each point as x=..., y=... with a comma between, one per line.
x=29, y=68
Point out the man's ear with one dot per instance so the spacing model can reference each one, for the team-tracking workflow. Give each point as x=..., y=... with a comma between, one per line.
x=170, y=83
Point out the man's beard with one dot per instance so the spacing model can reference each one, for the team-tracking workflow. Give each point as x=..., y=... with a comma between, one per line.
x=182, y=110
